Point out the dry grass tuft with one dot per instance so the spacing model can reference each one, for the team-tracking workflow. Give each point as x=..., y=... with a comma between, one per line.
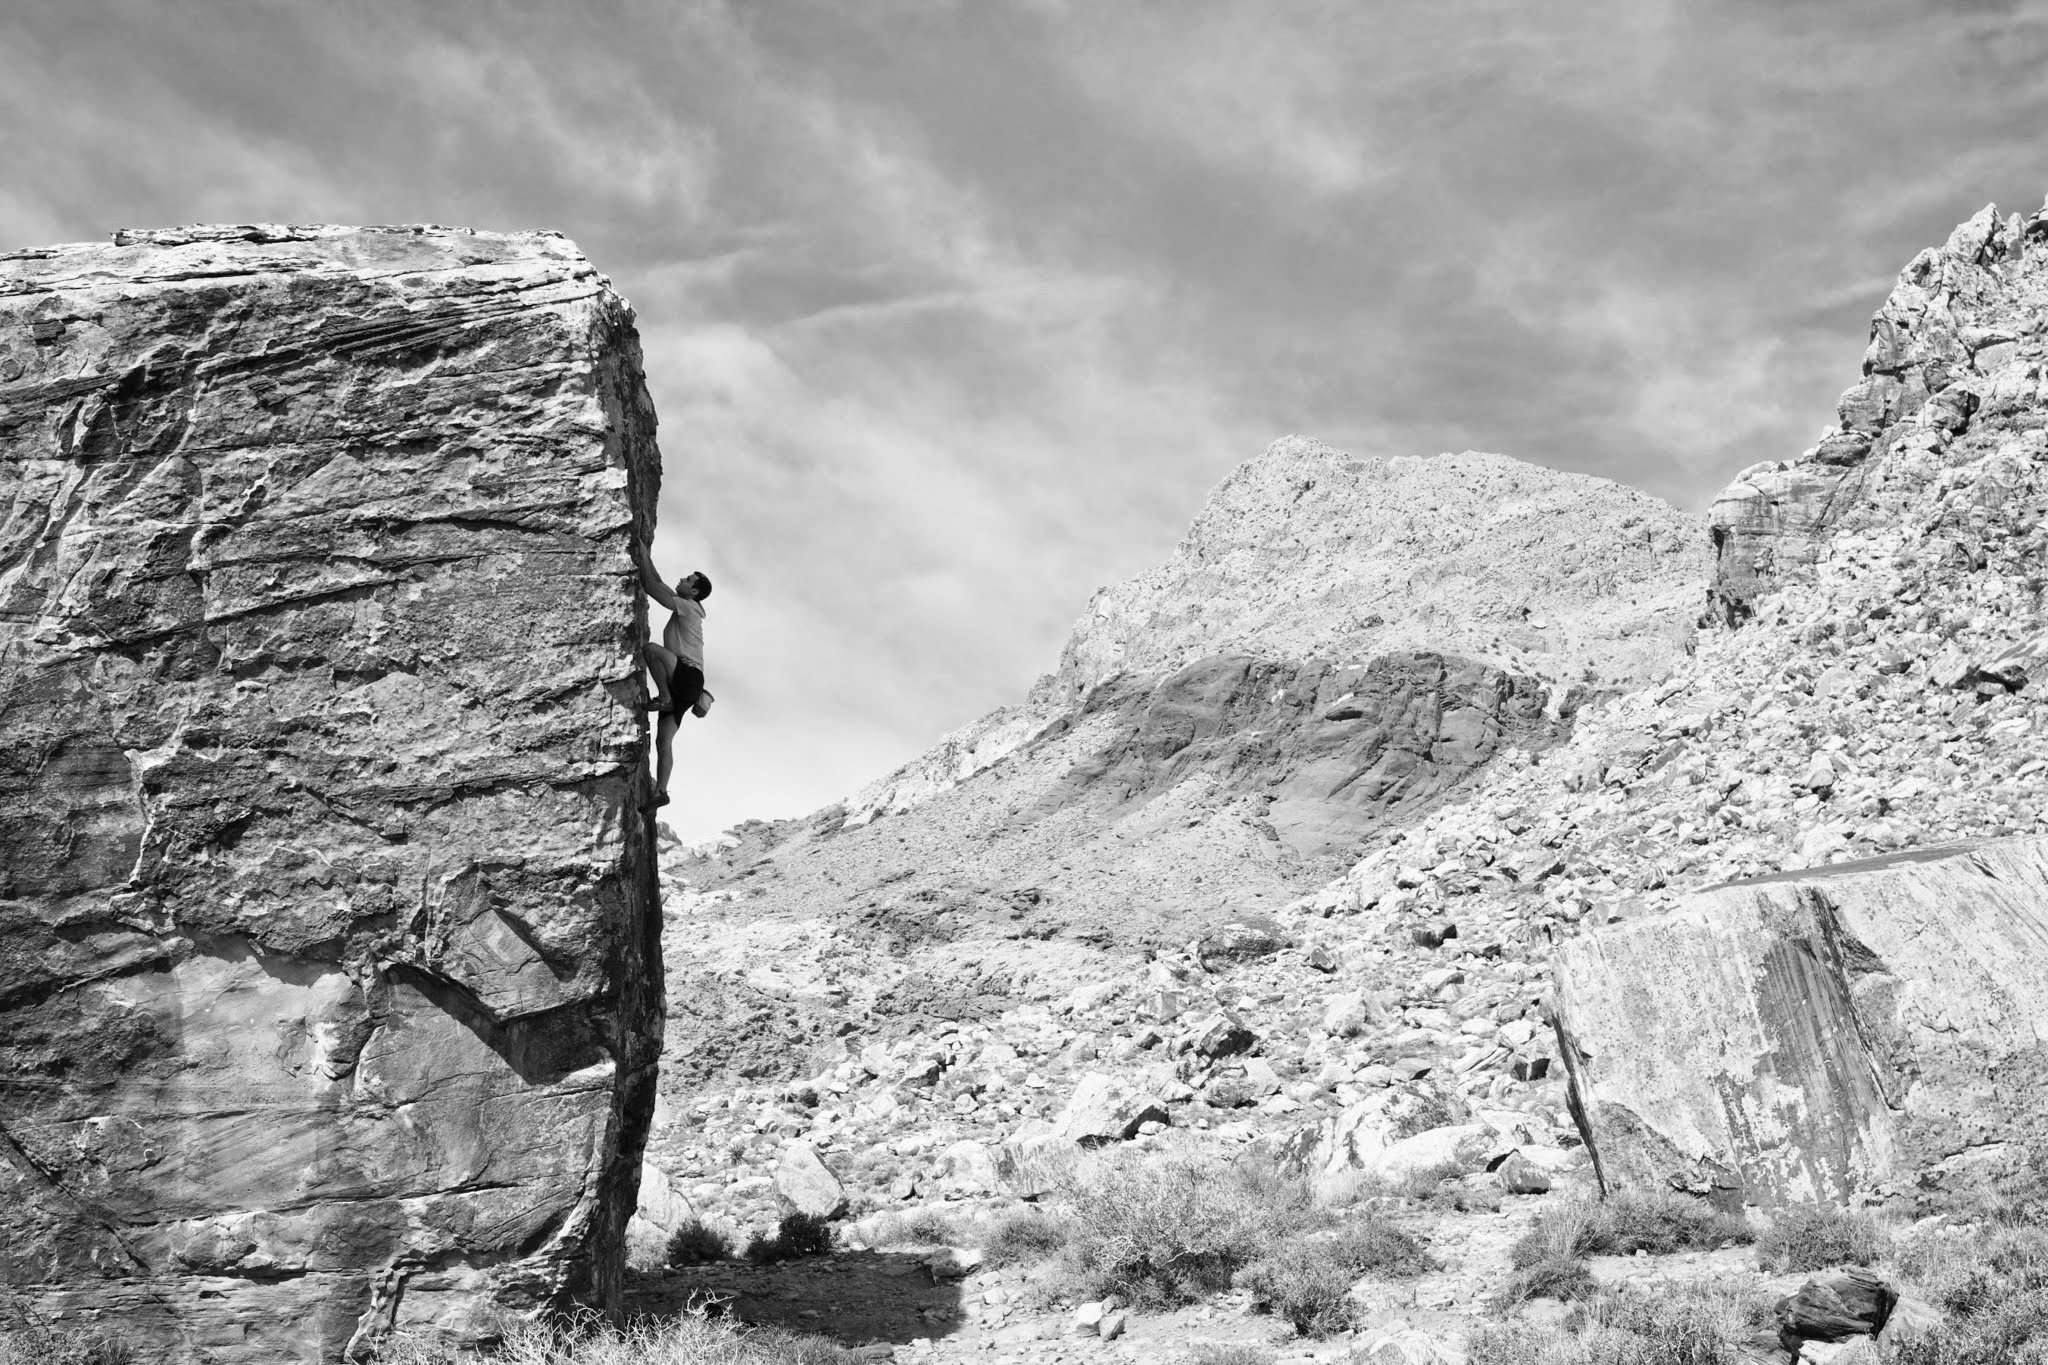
x=1701, y=1323
x=1819, y=1237
x=692, y=1339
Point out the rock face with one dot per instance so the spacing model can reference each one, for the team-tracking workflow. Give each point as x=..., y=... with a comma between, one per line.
x=1953, y=359
x=1801, y=1036
x=1336, y=644
x=1307, y=553
x=329, y=951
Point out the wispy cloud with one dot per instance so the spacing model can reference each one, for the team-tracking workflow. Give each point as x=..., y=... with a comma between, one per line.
x=954, y=310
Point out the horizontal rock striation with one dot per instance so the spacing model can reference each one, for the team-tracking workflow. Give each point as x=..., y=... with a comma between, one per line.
x=329, y=951
x=1814, y=1033
x=1328, y=749
x=1303, y=553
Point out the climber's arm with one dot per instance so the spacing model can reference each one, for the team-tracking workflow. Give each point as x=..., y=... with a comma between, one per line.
x=650, y=580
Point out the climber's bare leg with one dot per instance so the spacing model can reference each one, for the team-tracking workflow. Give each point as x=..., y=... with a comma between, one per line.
x=661, y=662
x=664, y=754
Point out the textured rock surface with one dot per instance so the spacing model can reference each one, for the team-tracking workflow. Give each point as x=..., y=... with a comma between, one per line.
x=1954, y=357
x=328, y=927
x=1307, y=553
x=1805, y=1035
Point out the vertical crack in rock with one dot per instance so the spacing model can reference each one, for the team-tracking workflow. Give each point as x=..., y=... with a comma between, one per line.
x=330, y=979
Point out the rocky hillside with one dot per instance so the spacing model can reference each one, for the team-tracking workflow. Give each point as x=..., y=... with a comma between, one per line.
x=1214, y=746
x=1877, y=697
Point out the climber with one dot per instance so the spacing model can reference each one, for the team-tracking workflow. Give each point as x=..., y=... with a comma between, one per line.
x=677, y=663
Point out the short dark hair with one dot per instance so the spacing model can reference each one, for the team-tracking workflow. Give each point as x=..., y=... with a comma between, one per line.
x=702, y=579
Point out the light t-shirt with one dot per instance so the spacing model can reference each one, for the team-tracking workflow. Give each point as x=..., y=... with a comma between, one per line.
x=688, y=643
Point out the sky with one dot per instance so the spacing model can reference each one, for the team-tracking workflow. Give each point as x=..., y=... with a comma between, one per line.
x=955, y=310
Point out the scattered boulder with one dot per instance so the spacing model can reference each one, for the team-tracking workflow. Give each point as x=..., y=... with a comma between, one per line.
x=1221, y=1034
x=1031, y=1160
x=1103, y=1109
x=806, y=1185
x=1519, y=1175
x=1755, y=1040
x=1435, y=934
x=968, y=1168
x=1845, y=1303
x=1240, y=941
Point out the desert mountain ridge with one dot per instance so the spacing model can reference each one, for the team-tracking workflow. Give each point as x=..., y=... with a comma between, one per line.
x=1860, y=698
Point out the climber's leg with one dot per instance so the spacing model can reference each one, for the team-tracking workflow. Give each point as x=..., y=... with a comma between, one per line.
x=664, y=754
x=661, y=662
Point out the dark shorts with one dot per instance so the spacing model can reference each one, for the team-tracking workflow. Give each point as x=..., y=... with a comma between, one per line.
x=685, y=685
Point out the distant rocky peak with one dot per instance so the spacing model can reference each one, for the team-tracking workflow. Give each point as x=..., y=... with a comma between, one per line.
x=1934, y=438
x=1307, y=552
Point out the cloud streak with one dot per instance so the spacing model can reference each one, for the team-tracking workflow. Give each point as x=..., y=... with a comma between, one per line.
x=954, y=311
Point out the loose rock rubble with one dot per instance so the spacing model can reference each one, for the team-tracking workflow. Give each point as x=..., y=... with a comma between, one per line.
x=1386, y=1028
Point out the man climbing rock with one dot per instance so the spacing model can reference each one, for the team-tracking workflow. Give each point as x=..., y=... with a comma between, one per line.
x=677, y=663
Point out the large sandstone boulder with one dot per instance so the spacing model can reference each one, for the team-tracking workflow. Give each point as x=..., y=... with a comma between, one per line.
x=329, y=968
x=1799, y=1036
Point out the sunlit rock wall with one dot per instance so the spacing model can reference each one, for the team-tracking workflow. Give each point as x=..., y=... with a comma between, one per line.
x=329, y=953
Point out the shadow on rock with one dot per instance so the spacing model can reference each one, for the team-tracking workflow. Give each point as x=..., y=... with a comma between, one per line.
x=856, y=1298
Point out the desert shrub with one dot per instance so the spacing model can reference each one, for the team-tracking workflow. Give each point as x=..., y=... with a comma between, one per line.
x=798, y=1235
x=689, y=1339
x=1991, y=1285
x=1023, y=1236
x=28, y=1338
x=697, y=1243
x=1428, y=1182
x=2008, y=1331
x=1627, y=1221
x=1685, y=1324
x=1661, y=1222
x=914, y=1227
x=1168, y=1227
x=1434, y=1111
x=1819, y=1236
x=1300, y=1284
x=1306, y=1280
x=1555, y=1277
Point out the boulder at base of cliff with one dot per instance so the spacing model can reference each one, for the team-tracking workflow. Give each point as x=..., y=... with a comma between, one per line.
x=329, y=968
x=1799, y=1036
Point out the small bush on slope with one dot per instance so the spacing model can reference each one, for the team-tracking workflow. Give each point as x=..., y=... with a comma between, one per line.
x=1306, y=1280
x=1684, y=1324
x=26, y=1338
x=799, y=1234
x=1818, y=1237
x=692, y=1339
x=1170, y=1226
x=1991, y=1285
x=1627, y=1221
x=696, y=1243
x=1024, y=1236
x=1554, y=1277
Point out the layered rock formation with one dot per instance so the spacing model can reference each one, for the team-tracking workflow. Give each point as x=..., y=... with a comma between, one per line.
x=1808, y=1035
x=1223, y=735
x=329, y=952
x=1952, y=374
x=1306, y=553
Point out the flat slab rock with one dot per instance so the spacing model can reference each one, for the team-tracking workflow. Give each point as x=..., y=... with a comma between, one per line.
x=329, y=962
x=1801, y=1036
